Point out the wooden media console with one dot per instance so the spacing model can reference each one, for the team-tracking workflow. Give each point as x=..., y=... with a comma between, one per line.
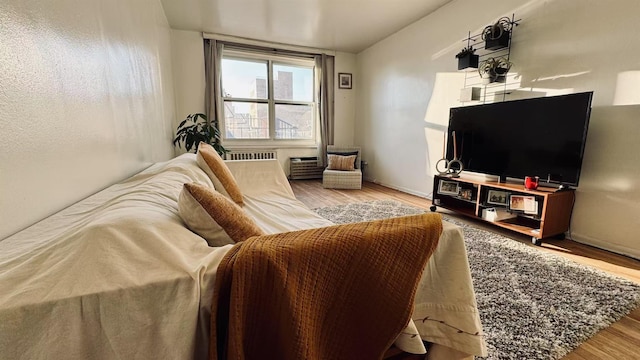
x=549, y=217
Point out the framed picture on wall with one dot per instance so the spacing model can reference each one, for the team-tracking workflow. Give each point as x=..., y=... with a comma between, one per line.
x=344, y=80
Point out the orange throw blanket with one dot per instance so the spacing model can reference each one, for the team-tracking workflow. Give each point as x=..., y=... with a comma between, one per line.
x=339, y=292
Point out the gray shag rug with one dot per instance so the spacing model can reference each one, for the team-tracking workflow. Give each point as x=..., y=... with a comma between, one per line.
x=533, y=305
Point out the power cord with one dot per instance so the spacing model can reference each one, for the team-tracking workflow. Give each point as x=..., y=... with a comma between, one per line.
x=573, y=203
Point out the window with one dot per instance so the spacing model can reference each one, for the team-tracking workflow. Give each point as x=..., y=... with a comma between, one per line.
x=267, y=97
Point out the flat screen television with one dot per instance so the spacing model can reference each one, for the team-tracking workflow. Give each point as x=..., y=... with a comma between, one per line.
x=542, y=137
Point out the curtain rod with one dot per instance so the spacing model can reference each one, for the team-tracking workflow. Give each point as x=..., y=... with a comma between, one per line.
x=246, y=41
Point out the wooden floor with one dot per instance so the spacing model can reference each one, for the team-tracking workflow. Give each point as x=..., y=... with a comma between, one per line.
x=620, y=341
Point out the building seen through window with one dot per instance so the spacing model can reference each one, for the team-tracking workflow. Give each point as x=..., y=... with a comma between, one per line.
x=268, y=98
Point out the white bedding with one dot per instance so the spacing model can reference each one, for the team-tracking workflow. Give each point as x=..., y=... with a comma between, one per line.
x=118, y=276
x=269, y=199
x=111, y=277
x=445, y=291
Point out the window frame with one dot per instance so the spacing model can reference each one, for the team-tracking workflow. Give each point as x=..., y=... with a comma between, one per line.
x=270, y=60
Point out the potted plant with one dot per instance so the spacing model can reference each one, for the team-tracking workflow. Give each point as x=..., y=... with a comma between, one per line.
x=467, y=58
x=501, y=69
x=496, y=36
x=194, y=129
x=494, y=70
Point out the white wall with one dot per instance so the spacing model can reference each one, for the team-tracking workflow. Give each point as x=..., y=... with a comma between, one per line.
x=86, y=99
x=188, y=69
x=187, y=58
x=408, y=81
x=345, y=100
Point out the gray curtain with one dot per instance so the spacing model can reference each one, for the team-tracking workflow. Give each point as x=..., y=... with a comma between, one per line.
x=212, y=61
x=325, y=77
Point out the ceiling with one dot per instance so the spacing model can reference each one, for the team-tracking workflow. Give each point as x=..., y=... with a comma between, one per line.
x=342, y=25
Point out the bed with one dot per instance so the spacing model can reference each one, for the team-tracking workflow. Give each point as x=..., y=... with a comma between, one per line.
x=119, y=276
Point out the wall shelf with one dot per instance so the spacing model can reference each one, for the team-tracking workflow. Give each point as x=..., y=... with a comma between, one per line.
x=490, y=92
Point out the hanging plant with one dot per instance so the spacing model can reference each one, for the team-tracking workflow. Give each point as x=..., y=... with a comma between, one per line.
x=496, y=36
x=502, y=68
x=494, y=70
x=467, y=58
x=469, y=50
x=194, y=129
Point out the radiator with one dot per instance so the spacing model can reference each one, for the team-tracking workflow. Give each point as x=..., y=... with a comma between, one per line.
x=250, y=154
x=305, y=168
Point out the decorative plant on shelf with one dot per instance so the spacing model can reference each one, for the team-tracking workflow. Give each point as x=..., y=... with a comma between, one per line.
x=194, y=129
x=467, y=58
x=494, y=70
x=496, y=36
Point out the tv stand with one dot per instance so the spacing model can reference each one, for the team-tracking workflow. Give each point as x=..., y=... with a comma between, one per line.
x=472, y=199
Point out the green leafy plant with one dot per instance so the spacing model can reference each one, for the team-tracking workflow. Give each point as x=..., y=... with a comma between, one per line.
x=469, y=50
x=194, y=129
x=494, y=69
x=495, y=31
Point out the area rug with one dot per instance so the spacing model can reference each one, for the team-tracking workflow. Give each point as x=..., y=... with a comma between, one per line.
x=533, y=305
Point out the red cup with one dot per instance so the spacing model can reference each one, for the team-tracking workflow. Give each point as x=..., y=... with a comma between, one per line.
x=531, y=182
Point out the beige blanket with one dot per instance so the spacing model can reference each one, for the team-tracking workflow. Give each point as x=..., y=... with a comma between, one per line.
x=315, y=294
x=119, y=276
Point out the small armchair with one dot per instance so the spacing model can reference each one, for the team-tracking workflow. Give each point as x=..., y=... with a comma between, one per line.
x=343, y=179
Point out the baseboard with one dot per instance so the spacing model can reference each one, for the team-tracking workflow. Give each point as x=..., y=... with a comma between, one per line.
x=399, y=188
x=618, y=249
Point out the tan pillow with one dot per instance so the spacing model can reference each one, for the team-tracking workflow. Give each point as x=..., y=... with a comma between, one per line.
x=209, y=161
x=214, y=217
x=339, y=162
